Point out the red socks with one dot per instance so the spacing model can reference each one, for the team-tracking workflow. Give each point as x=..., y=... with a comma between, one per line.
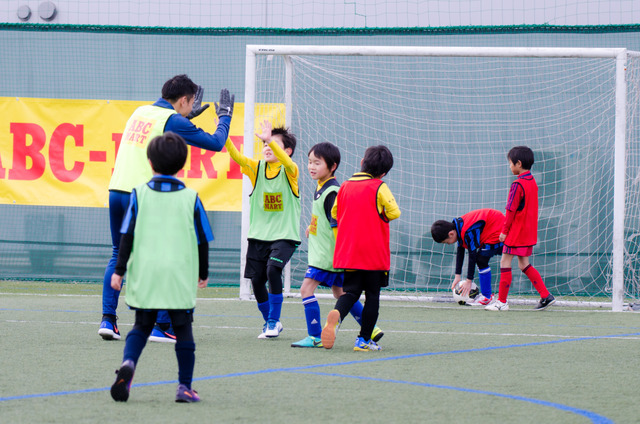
x=505, y=284
x=533, y=275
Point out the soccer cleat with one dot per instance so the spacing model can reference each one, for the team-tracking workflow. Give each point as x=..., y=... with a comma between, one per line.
x=124, y=376
x=160, y=336
x=308, y=341
x=274, y=328
x=377, y=334
x=185, y=395
x=263, y=335
x=109, y=329
x=330, y=329
x=481, y=300
x=545, y=303
x=365, y=346
x=497, y=306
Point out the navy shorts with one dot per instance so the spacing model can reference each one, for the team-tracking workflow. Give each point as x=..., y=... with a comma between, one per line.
x=486, y=252
x=147, y=317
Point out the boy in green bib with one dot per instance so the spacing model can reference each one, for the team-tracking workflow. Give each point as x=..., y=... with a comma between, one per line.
x=164, y=249
x=274, y=219
x=324, y=159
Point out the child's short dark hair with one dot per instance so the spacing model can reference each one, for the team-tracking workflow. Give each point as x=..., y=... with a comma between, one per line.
x=288, y=138
x=327, y=152
x=440, y=230
x=377, y=161
x=167, y=153
x=178, y=86
x=522, y=154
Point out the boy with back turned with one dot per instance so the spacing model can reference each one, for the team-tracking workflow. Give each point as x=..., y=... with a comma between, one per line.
x=363, y=209
x=164, y=251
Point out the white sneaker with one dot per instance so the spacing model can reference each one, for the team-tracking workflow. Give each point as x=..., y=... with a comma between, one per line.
x=481, y=300
x=273, y=329
x=263, y=335
x=497, y=306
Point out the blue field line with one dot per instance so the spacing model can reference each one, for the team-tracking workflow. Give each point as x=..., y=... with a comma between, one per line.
x=417, y=355
x=336, y=364
x=592, y=416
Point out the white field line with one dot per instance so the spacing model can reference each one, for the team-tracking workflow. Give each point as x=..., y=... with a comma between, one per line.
x=342, y=330
x=387, y=301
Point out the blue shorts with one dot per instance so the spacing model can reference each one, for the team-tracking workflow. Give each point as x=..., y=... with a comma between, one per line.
x=325, y=278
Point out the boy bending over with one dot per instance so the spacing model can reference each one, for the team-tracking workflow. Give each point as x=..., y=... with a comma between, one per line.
x=478, y=232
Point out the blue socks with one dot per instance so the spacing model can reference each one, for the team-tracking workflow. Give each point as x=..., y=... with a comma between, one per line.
x=312, y=314
x=264, y=309
x=275, y=306
x=485, y=282
x=356, y=312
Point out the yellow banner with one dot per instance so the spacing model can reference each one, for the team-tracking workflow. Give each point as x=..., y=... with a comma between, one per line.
x=61, y=153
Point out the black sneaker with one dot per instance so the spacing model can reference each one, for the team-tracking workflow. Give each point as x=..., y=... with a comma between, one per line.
x=545, y=303
x=121, y=387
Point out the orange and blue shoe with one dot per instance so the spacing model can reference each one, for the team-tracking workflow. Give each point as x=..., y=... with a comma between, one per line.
x=330, y=330
x=109, y=329
x=186, y=395
x=160, y=336
x=124, y=376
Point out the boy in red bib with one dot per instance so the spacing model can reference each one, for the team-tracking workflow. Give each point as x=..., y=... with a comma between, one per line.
x=520, y=231
x=363, y=209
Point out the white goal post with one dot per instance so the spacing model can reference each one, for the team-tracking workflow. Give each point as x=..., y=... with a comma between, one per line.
x=420, y=94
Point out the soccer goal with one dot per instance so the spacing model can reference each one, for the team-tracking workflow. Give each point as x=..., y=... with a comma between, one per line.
x=449, y=115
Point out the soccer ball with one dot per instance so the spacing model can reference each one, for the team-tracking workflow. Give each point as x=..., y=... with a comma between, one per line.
x=462, y=300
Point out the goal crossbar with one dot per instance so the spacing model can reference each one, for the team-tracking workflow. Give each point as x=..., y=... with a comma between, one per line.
x=559, y=52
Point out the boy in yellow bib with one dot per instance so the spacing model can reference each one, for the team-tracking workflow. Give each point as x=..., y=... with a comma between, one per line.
x=274, y=219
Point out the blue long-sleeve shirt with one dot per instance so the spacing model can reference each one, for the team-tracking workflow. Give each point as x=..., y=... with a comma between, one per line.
x=193, y=135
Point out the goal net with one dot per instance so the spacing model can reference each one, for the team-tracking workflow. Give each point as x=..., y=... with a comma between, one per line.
x=449, y=116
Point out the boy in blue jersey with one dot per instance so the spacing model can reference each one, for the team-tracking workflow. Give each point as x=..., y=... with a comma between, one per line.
x=181, y=101
x=324, y=159
x=164, y=249
x=274, y=219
